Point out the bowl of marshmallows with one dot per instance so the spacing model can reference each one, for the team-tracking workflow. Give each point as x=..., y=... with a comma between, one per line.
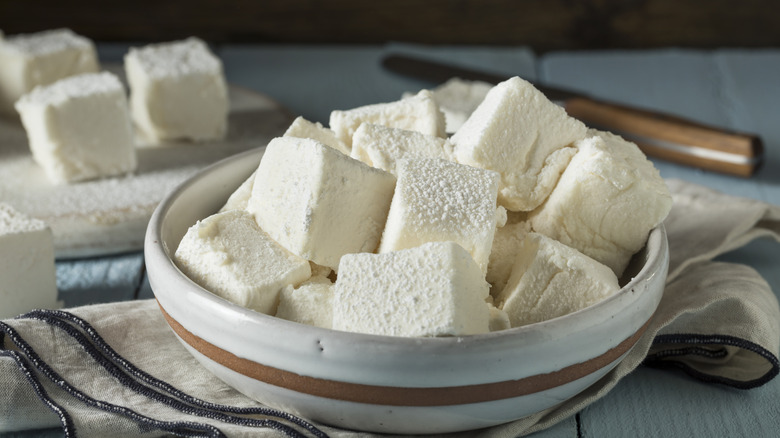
x=381, y=275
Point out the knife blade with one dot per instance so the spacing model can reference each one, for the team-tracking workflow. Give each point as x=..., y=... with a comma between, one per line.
x=658, y=135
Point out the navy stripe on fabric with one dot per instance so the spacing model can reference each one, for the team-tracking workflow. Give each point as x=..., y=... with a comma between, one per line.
x=40, y=391
x=187, y=429
x=130, y=382
x=695, y=350
x=692, y=344
x=143, y=383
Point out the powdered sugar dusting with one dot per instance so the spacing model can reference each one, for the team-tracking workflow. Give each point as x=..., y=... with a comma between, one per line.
x=41, y=43
x=176, y=58
x=86, y=84
x=12, y=221
x=438, y=200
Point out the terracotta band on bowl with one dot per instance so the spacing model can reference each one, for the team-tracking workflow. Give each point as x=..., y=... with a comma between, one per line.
x=401, y=396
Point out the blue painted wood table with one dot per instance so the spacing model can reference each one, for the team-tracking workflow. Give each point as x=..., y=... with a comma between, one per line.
x=737, y=89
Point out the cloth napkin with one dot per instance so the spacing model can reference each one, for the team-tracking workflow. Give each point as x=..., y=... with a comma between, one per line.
x=117, y=369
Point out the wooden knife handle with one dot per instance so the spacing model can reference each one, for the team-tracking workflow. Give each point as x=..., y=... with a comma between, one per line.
x=672, y=138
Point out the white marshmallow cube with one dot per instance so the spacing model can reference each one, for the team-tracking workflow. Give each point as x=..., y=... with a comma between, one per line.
x=550, y=279
x=303, y=128
x=79, y=127
x=457, y=99
x=382, y=146
x=27, y=272
x=499, y=319
x=437, y=200
x=177, y=91
x=606, y=202
x=310, y=303
x=506, y=244
x=434, y=289
x=239, y=199
x=41, y=58
x=229, y=255
x=520, y=134
x=319, y=203
x=417, y=113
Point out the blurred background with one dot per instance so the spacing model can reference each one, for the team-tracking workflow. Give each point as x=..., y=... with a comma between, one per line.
x=542, y=25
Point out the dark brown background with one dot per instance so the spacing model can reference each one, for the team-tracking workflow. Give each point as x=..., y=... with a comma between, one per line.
x=542, y=24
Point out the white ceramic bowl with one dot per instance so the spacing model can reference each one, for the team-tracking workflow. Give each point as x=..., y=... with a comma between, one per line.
x=380, y=383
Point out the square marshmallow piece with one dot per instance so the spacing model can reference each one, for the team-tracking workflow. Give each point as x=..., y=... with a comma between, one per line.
x=457, y=99
x=319, y=203
x=417, y=113
x=177, y=91
x=310, y=303
x=239, y=199
x=520, y=134
x=434, y=289
x=381, y=146
x=437, y=200
x=606, y=202
x=79, y=127
x=30, y=60
x=27, y=272
x=229, y=255
x=506, y=244
x=303, y=128
x=550, y=279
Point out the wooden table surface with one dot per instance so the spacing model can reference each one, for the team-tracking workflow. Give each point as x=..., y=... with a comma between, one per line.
x=737, y=89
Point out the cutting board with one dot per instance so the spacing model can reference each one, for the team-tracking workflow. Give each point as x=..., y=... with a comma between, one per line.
x=109, y=215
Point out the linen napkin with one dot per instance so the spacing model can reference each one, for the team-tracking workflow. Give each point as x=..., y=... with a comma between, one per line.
x=106, y=370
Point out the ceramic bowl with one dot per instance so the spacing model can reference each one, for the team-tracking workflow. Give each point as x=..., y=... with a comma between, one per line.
x=381, y=383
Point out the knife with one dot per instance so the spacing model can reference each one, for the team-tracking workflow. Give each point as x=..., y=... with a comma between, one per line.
x=658, y=135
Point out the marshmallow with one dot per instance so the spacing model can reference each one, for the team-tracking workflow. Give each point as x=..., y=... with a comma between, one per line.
x=239, y=199
x=499, y=319
x=30, y=60
x=606, y=202
x=319, y=203
x=310, y=303
x=417, y=113
x=506, y=245
x=458, y=98
x=229, y=255
x=437, y=200
x=177, y=91
x=27, y=272
x=435, y=289
x=79, y=127
x=550, y=279
x=520, y=134
x=381, y=146
x=303, y=128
